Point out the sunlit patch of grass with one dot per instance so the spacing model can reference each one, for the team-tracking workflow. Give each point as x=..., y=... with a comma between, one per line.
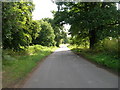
x=16, y=65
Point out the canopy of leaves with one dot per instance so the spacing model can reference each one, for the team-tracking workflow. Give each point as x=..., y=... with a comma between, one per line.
x=35, y=28
x=16, y=20
x=46, y=35
x=95, y=20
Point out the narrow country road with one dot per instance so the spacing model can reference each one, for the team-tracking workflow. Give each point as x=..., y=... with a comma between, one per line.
x=64, y=69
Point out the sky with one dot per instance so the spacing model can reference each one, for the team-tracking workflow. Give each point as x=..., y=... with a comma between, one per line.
x=43, y=9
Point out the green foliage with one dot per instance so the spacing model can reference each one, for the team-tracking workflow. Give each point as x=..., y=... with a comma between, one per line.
x=58, y=31
x=34, y=30
x=80, y=41
x=111, y=44
x=103, y=58
x=46, y=35
x=95, y=20
x=16, y=19
x=16, y=65
x=64, y=36
x=20, y=31
x=58, y=35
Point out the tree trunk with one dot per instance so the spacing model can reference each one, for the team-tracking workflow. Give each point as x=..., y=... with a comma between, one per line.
x=92, y=38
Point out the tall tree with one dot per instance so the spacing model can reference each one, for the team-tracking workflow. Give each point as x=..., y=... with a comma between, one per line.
x=91, y=19
x=16, y=20
x=46, y=35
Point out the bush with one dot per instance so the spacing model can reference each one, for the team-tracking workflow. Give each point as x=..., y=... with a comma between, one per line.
x=111, y=44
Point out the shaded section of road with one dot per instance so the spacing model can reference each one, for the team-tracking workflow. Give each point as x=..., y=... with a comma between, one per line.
x=64, y=69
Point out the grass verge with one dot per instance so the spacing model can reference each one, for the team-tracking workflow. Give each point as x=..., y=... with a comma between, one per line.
x=16, y=65
x=106, y=59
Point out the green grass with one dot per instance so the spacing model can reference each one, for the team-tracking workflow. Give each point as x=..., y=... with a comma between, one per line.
x=16, y=65
x=106, y=59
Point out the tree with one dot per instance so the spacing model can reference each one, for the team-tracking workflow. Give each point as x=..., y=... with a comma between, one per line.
x=34, y=30
x=91, y=19
x=46, y=35
x=16, y=20
x=58, y=30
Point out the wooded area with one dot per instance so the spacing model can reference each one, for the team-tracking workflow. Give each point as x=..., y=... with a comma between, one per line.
x=90, y=22
x=19, y=30
x=94, y=30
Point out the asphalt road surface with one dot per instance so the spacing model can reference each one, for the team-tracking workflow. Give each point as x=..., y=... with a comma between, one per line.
x=64, y=69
